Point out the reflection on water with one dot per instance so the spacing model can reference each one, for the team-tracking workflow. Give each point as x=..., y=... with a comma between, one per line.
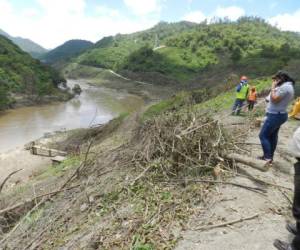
x=93, y=106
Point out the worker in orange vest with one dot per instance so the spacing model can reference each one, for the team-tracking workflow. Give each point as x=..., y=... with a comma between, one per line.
x=252, y=97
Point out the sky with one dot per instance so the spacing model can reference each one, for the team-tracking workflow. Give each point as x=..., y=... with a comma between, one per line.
x=52, y=22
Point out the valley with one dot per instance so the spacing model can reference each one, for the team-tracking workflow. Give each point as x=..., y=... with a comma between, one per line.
x=147, y=145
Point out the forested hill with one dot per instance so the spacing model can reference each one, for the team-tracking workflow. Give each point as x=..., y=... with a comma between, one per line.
x=185, y=52
x=27, y=45
x=66, y=51
x=111, y=52
x=20, y=73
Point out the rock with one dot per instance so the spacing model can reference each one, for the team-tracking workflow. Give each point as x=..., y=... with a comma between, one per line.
x=77, y=89
x=83, y=207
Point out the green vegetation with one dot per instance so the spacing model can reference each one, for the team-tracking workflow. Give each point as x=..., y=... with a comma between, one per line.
x=34, y=49
x=172, y=103
x=213, y=100
x=20, y=73
x=226, y=99
x=112, y=52
x=191, y=53
x=59, y=169
x=66, y=51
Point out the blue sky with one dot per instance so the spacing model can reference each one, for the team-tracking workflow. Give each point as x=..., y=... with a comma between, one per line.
x=52, y=22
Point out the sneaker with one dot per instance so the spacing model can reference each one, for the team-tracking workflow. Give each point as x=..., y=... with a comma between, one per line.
x=262, y=158
x=281, y=245
x=292, y=228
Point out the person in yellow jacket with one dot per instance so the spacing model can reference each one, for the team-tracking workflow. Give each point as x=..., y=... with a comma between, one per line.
x=295, y=113
x=252, y=97
x=241, y=95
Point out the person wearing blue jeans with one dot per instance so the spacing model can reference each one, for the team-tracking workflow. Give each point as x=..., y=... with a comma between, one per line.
x=269, y=133
x=281, y=94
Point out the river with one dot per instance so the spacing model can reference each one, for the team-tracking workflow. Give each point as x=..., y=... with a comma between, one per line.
x=95, y=105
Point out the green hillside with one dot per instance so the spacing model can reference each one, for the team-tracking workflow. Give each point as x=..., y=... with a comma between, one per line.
x=26, y=45
x=66, y=51
x=191, y=53
x=111, y=52
x=20, y=73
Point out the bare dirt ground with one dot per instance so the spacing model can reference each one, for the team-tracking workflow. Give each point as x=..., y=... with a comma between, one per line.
x=233, y=203
x=17, y=159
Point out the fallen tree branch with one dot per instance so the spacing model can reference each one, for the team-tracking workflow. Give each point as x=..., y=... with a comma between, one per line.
x=141, y=175
x=249, y=161
x=21, y=221
x=226, y=223
x=24, y=203
x=260, y=181
x=7, y=178
x=79, y=168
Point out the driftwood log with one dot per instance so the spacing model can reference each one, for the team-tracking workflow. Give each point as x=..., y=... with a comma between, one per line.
x=249, y=161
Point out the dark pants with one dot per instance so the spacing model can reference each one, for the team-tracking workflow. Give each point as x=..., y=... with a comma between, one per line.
x=296, y=204
x=251, y=105
x=237, y=106
x=269, y=133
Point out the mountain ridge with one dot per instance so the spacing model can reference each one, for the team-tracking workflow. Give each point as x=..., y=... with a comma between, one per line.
x=26, y=44
x=66, y=51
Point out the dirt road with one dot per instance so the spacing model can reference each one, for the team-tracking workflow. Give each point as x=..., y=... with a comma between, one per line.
x=231, y=203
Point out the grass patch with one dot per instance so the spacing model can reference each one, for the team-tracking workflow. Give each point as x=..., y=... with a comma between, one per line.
x=225, y=101
x=59, y=169
x=172, y=103
x=34, y=217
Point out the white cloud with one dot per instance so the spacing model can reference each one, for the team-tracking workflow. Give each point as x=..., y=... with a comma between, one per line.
x=5, y=7
x=54, y=22
x=195, y=16
x=140, y=7
x=66, y=6
x=287, y=21
x=231, y=12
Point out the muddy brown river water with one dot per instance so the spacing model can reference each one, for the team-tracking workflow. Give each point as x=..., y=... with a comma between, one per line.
x=95, y=105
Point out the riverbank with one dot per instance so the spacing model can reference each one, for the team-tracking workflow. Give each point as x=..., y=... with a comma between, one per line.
x=23, y=160
x=109, y=79
x=25, y=100
x=20, y=100
x=28, y=165
x=96, y=105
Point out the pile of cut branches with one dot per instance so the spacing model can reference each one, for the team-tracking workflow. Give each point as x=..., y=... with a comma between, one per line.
x=180, y=144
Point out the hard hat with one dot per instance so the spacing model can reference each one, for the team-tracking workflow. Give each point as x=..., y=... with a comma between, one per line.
x=244, y=78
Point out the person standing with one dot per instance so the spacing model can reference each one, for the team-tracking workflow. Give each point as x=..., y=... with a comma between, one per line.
x=294, y=149
x=252, y=98
x=282, y=93
x=241, y=95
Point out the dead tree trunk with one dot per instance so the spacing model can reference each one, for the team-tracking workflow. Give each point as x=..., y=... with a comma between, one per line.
x=249, y=161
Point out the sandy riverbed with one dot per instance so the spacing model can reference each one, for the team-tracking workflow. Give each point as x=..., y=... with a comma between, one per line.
x=19, y=158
